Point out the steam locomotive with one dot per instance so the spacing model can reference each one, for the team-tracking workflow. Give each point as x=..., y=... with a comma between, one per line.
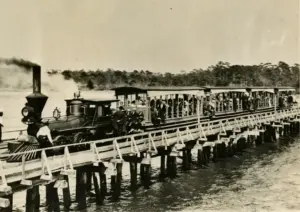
x=86, y=119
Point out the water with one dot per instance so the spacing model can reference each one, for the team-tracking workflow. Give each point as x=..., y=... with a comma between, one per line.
x=266, y=178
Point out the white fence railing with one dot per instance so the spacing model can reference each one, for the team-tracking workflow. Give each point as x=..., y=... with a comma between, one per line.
x=117, y=147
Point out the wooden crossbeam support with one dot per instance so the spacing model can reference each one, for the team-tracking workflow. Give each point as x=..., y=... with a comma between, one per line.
x=202, y=135
x=164, y=140
x=94, y=150
x=237, y=127
x=189, y=134
x=117, y=151
x=209, y=127
x=146, y=160
x=151, y=144
x=179, y=137
x=222, y=129
x=180, y=142
x=134, y=147
x=4, y=188
x=46, y=165
x=24, y=181
x=67, y=162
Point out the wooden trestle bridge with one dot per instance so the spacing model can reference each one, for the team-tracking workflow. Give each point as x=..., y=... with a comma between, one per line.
x=219, y=137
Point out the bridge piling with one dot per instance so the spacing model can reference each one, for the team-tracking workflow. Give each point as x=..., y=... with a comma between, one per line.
x=103, y=183
x=259, y=138
x=146, y=162
x=206, y=154
x=81, y=188
x=286, y=131
x=66, y=193
x=185, y=160
x=162, y=173
x=53, y=197
x=297, y=127
x=133, y=172
x=96, y=188
x=88, y=180
x=116, y=179
x=200, y=158
x=171, y=165
x=189, y=157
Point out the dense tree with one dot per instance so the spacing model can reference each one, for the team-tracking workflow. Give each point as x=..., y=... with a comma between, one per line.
x=221, y=74
x=90, y=85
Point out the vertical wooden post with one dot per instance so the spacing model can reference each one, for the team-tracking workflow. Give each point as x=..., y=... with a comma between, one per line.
x=177, y=108
x=67, y=194
x=116, y=182
x=88, y=180
x=78, y=173
x=81, y=195
x=147, y=177
x=168, y=115
x=200, y=158
x=119, y=177
x=126, y=100
x=171, y=166
x=182, y=109
x=133, y=173
x=172, y=109
x=103, y=184
x=189, y=156
x=146, y=162
x=142, y=170
x=206, y=153
x=188, y=105
x=162, y=164
x=113, y=179
x=97, y=189
x=53, y=197
x=185, y=162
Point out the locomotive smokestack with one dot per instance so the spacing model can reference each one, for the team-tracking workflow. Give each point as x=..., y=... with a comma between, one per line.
x=36, y=79
x=37, y=100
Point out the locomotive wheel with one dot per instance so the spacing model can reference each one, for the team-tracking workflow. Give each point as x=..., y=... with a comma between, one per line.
x=60, y=140
x=80, y=138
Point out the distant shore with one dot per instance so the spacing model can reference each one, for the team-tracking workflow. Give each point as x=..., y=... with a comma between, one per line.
x=221, y=74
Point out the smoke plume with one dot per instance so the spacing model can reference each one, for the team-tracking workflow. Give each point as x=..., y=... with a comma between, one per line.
x=16, y=74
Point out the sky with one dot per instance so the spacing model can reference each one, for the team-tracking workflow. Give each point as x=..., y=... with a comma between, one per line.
x=155, y=35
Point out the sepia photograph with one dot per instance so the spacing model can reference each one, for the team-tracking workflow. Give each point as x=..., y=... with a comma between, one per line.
x=150, y=105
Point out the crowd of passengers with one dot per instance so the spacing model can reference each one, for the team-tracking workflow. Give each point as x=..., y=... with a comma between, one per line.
x=129, y=121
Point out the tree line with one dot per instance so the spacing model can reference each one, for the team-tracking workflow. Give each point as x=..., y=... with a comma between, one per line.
x=221, y=74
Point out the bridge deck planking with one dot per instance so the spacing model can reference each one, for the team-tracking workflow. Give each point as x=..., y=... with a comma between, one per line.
x=13, y=171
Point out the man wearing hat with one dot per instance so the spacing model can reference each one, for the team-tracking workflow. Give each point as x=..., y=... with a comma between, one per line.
x=1, y=123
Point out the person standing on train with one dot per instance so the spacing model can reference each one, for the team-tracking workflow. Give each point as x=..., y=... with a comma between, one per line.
x=44, y=137
x=119, y=121
x=234, y=102
x=1, y=124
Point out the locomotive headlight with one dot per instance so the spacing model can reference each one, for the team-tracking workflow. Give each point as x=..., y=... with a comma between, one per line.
x=25, y=111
